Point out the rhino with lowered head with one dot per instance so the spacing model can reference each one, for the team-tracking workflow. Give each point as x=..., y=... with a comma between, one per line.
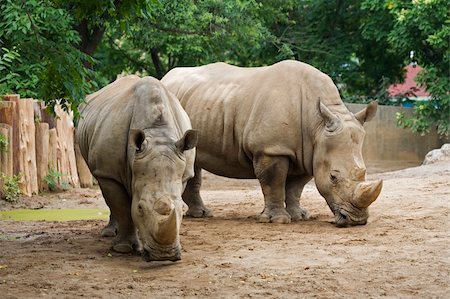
x=282, y=124
x=138, y=143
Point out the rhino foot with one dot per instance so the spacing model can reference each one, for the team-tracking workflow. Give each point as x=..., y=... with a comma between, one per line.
x=275, y=216
x=109, y=231
x=199, y=212
x=298, y=214
x=123, y=248
x=127, y=245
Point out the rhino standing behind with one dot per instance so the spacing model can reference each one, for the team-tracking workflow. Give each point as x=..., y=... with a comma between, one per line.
x=138, y=143
x=282, y=124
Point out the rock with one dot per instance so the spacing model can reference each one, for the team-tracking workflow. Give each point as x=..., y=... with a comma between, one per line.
x=436, y=155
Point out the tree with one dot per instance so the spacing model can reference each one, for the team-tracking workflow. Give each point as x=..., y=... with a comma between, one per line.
x=46, y=46
x=37, y=57
x=331, y=36
x=55, y=49
x=421, y=26
x=182, y=32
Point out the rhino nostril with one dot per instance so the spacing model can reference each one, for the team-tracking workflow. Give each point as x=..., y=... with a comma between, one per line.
x=341, y=219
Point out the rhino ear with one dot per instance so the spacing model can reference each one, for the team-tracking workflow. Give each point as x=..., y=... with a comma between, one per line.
x=367, y=113
x=188, y=141
x=136, y=139
x=332, y=122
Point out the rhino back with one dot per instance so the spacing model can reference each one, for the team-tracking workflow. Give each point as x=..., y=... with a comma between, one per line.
x=242, y=112
x=103, y=129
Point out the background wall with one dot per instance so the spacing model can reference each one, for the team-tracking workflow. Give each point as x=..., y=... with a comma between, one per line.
x=386, y=142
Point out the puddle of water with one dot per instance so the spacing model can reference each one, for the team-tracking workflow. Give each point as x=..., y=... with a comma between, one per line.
x=54, y=214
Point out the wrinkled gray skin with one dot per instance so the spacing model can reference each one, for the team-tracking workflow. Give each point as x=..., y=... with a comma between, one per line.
x=282, y=124
x=138, y=143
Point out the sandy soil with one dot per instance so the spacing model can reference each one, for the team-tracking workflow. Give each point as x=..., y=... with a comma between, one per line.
x=403, y=252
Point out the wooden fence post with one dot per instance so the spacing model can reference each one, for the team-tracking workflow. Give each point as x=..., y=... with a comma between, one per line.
x=6, y=155
x=86, y=179
x=42, y=154
x=27, y=148
x=52, y=149
x=9, y=115
x=66, y=160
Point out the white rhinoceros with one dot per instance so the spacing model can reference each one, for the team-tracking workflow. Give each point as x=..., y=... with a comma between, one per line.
x=138, y=143
x=282, y=124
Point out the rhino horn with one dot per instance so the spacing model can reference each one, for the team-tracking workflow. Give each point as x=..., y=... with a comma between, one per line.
x=366, y=193
x=168, y=229
x=332, y=122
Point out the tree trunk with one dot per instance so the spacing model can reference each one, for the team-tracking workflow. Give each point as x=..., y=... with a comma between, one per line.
x=90, y=39
x=157, y=63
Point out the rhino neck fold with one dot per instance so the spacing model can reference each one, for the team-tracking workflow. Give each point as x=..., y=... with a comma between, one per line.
x=309, y=127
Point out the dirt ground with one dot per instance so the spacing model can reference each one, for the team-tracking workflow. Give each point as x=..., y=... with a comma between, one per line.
x=403, y=251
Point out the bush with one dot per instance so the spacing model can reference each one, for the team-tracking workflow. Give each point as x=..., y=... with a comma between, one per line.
x=3, y=143
x=55, y=182
x=11, y=188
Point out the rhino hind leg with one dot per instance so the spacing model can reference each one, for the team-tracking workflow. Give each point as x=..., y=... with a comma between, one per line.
x=271, y=173
x=191, y=196
x=294, y=188
x=110, y=230
x=119, y=203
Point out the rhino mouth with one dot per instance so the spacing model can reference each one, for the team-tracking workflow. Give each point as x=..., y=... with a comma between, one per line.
x=343, y=219
x=161, y=253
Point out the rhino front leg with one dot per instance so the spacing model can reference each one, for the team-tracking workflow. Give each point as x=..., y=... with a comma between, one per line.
x=191, y=196
x=119, y=203
x=271, y=173
x=294, y=188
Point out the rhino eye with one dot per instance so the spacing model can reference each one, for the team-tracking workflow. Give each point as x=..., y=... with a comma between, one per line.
x=140, y=209
x=141, y=147
x=334, y=176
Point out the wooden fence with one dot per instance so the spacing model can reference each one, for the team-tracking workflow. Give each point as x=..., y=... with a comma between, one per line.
x=39, y=144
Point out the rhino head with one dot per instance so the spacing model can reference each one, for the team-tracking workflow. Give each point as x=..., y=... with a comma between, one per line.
x=160, y=173
x=338, y=166
x=160, y=164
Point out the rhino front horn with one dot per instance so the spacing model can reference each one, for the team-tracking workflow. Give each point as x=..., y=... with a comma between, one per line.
x=168, y=230
x=366, y=193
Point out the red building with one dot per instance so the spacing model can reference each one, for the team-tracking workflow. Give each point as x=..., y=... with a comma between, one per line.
x=409, y=87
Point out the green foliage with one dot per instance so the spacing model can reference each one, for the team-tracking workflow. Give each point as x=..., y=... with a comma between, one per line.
x=47, y=47
x=11, y=188
x=38, y=54
x=421, y=26
x=55, y=182
x=3, y=143
x=432, y=113
x=183, y=33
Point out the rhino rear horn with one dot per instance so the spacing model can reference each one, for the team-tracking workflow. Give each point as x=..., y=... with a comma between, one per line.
x=332, y=122
x=367, y=113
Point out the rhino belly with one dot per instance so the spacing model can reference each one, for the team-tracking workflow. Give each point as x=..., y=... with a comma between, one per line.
x=223, y=166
